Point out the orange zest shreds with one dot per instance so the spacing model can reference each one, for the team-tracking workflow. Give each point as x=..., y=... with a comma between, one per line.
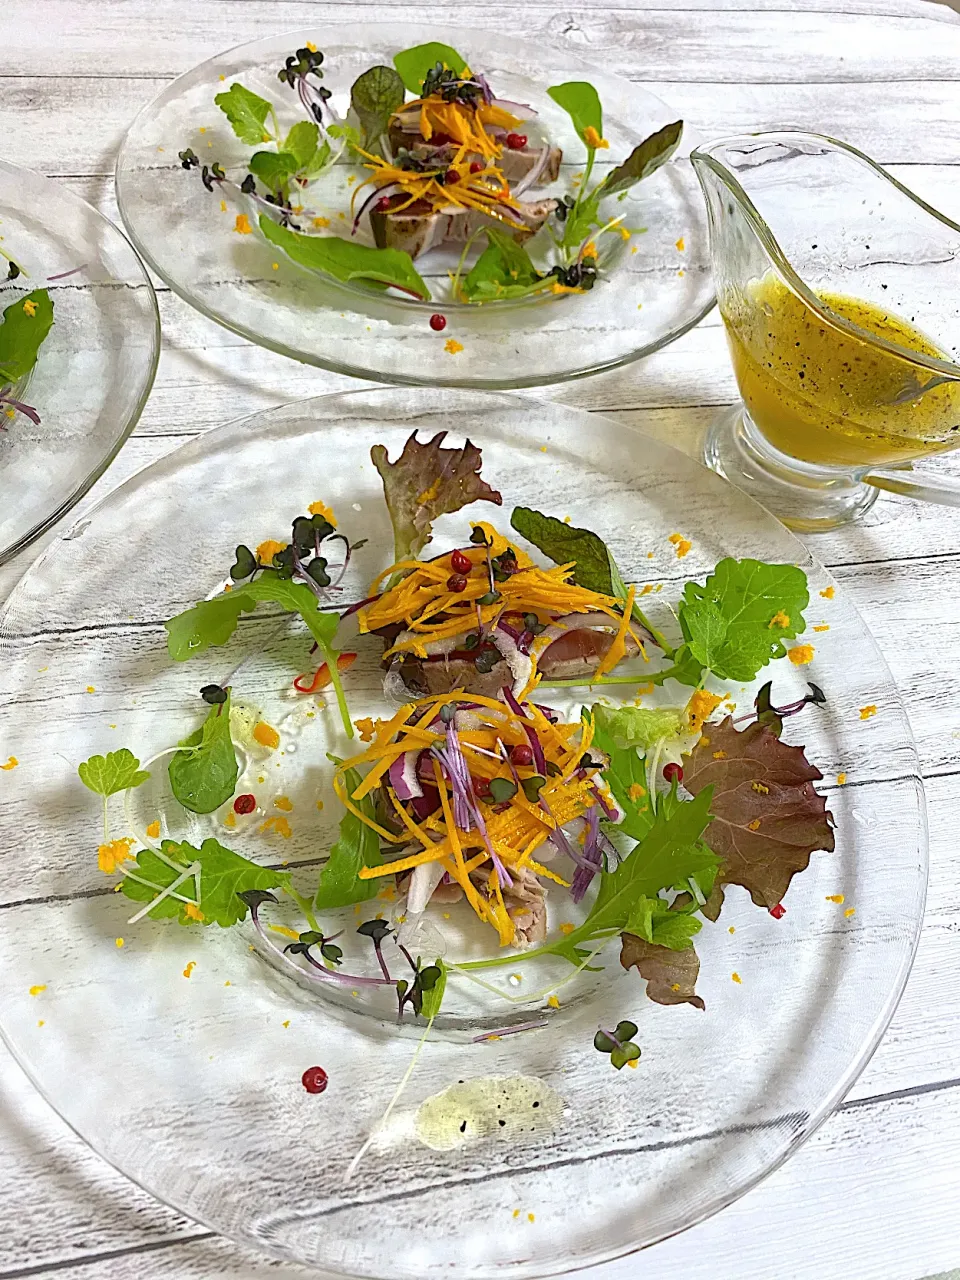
x=868, y=711
x=35, y=990
x=618, y=649
x=553, y=1002
x=284, y=803
x=850, y=911
x=701, y=705
x=365, y=729
x=800, y=654
x=824, y=626
x=828, y=593
x=279, y=824
x=841, y=779
x=192, y=911
x=12, y=763
x=190, y=968
x=153, y=828
x=681, y=245
x=111, y=855
x=321, y=509
x=636, y=791
x=266, y=735
x=242, y=225
x=834, y=897
x=268, y=549
x=322, y=677
x=452, y=347
x=682, y=544
x=593, y=139
x=779, y=619
x=284, y=931
x=736, y=978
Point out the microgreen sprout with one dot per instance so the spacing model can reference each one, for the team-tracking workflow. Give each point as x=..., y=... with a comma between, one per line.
x=619, y=1044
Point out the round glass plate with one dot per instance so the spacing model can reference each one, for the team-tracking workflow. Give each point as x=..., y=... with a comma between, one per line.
x=655, y=288
x=95, y=367
x=178, y=1055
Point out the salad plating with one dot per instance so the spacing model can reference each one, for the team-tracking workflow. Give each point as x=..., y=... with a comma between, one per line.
x=454, y=165
x=471, y=792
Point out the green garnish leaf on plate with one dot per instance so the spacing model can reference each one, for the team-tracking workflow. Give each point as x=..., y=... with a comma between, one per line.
x=203, y=776
x=581, y=102
x=303, y=143
x=653, y=920
x=223, y=875
x=116, y=771
x=414, y=64
x=503, y=270
x=671, y=975
x=246, y=111
x=645, y=159
x=346, y=260
x=375, y=96
x=273, y=168
x=357, y=846
x=26, y=323
x=640, y=727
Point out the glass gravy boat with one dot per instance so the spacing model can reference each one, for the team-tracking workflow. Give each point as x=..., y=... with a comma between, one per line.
x=840, y=293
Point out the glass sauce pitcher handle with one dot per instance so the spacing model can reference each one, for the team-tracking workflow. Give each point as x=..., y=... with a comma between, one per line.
x=923, y=485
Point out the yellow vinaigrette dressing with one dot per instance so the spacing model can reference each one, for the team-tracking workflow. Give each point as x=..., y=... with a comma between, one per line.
x=826, y=397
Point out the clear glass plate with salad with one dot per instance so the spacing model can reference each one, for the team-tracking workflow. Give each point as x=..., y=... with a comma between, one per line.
x=422, y=205
x=425, y=812
x=79, y=343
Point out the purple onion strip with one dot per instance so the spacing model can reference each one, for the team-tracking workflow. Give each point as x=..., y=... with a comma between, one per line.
x=539, y=759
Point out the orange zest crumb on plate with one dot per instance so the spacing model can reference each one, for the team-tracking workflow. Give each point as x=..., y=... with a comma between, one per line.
x=266, y=735
x=834, y=897
x=736, y=978
x=153, y=828
x=850, y=911
x=553, y=1002
x=35, y=991
x=682, y=544
x=242, y=225
x=800, y=654
x=828, y=593
x=841, y=779
x=190, y=968
x=868, y=711
x=12, y=763
x=452, y=346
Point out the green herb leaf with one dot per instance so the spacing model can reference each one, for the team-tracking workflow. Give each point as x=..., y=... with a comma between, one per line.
x=413, y=64
x=433, y=984
x=503, y=270
x=116, y=771
x=211, y=622
x=344, y=260
x=594, y=565
x=653, y=920
x=425, y=482
x=582, y=219
x=22, y=334
x=640, y=727
x=303, y=143
x=246, y=112
x=223, y=875
x=357, y=846
x=205, y=776
x=628, y=1052
x=644, y=159
x=273, y=168
x=671, y=975
x=581, y=102
x=736, y=623
x=626, y=776
x=502, y=790
x=375, y=96
x=768, y=819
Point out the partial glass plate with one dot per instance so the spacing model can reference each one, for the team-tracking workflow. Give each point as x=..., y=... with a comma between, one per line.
x=658, y=285
x=178, y=1055
x=97, y=364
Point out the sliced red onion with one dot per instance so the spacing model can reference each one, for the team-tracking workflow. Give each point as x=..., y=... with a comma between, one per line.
x=533, y=176
x=539, y=759
x=426, y=805
x=612, y=812
x=378, y=193
x=520, y=664
x=403, y=776
x=521, y=109
x=422, y=883
x=511, y=631
x=485, y=89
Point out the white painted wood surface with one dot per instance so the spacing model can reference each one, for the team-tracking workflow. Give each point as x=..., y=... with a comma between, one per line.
x=873, y=1195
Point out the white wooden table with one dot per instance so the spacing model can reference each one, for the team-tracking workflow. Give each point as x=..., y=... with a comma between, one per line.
x=874, y=1194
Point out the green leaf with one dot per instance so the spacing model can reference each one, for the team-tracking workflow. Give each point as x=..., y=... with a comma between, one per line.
x=427, y=481
x=273, y=168
x=503, y=270
x=640, y=727
x=223, y=875
x=296, y=597
x=413, y=64
x=375, y=96
x=581, y=102
x=736, y=623
x=246, y=112
x=594, y=566
x=22, y=334
x=205, y=775
x=643, y=160
x=302, y=143
x=116, y=771
x=358, y=846
x=583, y=218
x=625, y=772
x=432, y=995
x=347, y=261
x=654, y=921
x=668, y=853
x=211, y=622
x=628, y=1052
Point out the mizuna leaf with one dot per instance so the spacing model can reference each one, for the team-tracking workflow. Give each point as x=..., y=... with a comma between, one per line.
x=767, y=817
x=671, y=975
x=224, y=875
x=357, y=846
x=203, y=775
x=425, y=482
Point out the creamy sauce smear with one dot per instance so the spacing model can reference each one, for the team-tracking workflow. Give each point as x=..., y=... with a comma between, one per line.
x=510, y=1107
